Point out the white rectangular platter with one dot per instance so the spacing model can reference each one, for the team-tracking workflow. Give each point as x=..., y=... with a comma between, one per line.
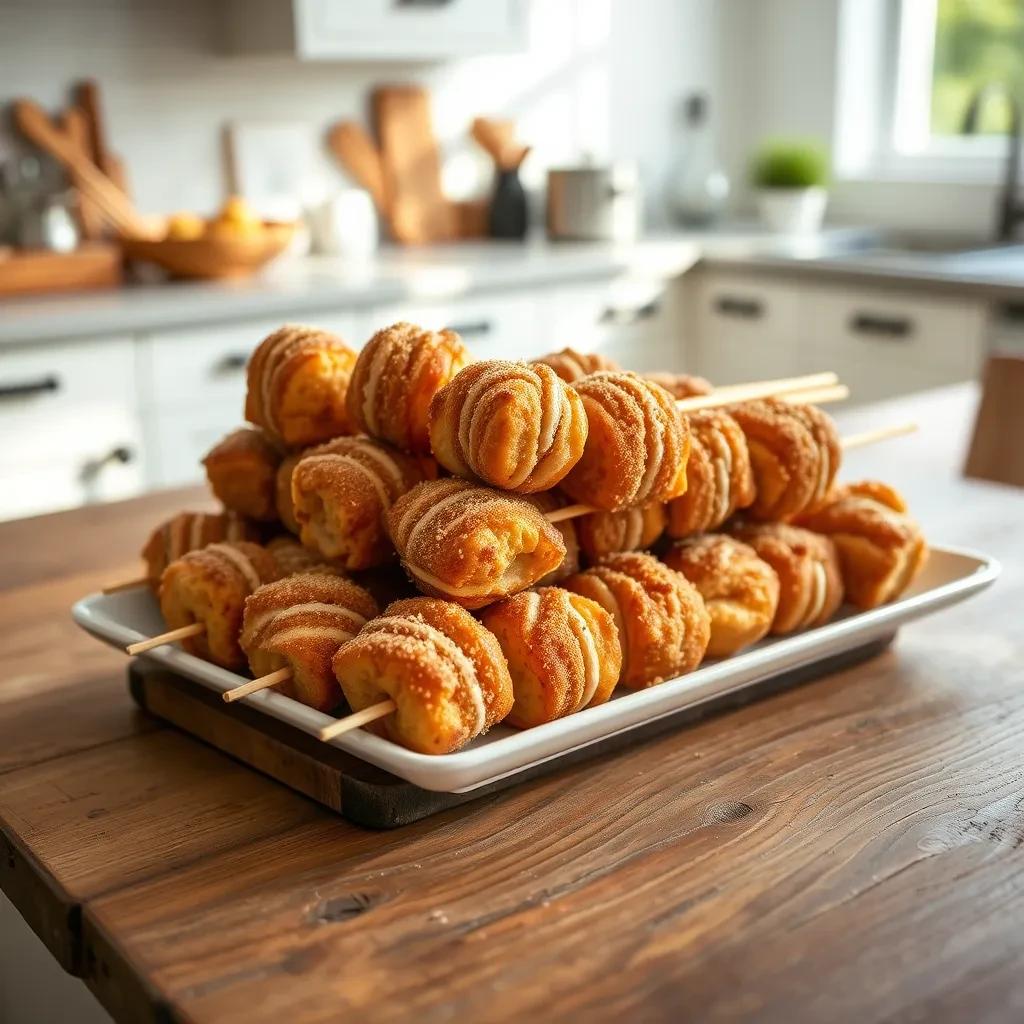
x=950, y=576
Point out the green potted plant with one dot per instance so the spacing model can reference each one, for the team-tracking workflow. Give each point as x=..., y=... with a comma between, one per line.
x=790, y=176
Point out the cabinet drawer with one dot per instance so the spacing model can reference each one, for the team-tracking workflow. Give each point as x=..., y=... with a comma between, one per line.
x=498, y=327
x=746, y=328
x=177, y=441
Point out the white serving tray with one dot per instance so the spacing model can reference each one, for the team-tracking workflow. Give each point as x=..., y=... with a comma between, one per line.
x=950, y=576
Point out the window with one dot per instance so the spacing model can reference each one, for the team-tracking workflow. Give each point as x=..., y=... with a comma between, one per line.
x=911, y=70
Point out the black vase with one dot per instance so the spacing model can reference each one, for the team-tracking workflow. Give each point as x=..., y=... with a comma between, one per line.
x=508, y=214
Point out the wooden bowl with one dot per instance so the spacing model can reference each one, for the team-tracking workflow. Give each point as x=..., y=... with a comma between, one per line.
x=214, y=255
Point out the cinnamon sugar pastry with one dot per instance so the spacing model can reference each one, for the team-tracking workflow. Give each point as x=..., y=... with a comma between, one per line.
x=637, y=446
x=551, y=501
x=443, y=670
x=681, y=385
x=471, y=544
x=719, y=477
x=210, y=586
x=340, y=493
x=395, y=379
x=810, y=584
x=511, y=425
x=571, y=365
x=188, y=531
x=562, y=651
x=629, y=529
x=660, y=616
x=293, y=558
x=283, y=503
x=241, y=469
x=740, y=591
x=299, y=623
x=296, y=385
x=794, y=454
x=881, y=549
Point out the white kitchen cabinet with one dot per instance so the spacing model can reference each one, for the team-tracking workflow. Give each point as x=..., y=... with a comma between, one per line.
x=69, y=425
x=376, y=29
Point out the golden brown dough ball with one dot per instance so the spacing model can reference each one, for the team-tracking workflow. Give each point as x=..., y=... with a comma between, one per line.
x=511, y=425
x=662, y=623
x=296, y=385
x=571, y=365
x=740, y=590
x=395, y=379
x=881, y=549
x=551, y=501
x=810, y=583
x=472, y=545
x=241, y=469
x=629, y=529
x=681, y=385
x=719, y=477
x=188, y=531
x=562, y=651
x=442, y=668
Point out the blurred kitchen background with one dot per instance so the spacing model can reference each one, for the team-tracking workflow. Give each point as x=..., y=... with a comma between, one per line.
x=646, y=178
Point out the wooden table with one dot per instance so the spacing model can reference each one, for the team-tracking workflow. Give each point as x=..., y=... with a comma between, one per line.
x=849, y=850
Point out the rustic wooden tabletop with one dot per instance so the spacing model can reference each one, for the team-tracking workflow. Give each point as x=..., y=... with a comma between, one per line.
x=849, y=850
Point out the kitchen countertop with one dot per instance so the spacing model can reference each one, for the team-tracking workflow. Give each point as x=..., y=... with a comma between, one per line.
x=852, y=849
x=301, y=287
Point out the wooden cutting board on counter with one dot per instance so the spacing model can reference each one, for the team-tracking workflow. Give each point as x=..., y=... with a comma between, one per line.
x=411, y=165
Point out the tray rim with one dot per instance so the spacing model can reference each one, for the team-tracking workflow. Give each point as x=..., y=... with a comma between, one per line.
x=482, y=764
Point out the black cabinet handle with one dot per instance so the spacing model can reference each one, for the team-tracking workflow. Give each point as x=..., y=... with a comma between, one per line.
x=27, y=388
x=119, y=455
x=892, y=327
x=232, y=363
x=630, y=315
x=745, y=309
x=472, y=327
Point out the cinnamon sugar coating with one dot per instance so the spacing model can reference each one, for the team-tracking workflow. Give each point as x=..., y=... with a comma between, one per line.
x=241, y=469
x=299, y=623
x=512, y=425
x=210, y=586
x=740, y=590
x=472, y=545
x=881, y=549
x=807, y=564
x=293, y=558
x=445, y=672
x=341, y=492
x=637, y=445
x=794, y=454
x=283, y=504
x=395, y=379
x=562, y=650
x=188, y=531
x=550, y=501
x=571, y=365
x=662, y=623
x=681, y=385
x=296, y=385
x=629, y=529
x=719, y=476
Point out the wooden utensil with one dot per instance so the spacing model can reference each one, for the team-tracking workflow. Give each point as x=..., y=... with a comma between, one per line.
x=76, y=126
x=36, y=126
x=419, y=212
x=358, y=154
x=87, y=96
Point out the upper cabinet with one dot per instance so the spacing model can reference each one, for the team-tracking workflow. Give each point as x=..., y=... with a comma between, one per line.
x=376, y=29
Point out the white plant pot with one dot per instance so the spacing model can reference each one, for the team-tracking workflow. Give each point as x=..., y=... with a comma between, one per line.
x=793, y=211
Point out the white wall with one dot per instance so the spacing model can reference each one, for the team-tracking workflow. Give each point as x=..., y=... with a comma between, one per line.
x=601, y=76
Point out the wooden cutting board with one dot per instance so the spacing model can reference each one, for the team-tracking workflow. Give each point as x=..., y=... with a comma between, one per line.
x=411, y=166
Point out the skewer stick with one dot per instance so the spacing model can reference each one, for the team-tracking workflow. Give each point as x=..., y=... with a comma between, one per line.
x=818, y=396
x=183, y=633
x=569, y=512
x=354, y=721
x=116, y=588
x=733, y=393
x=255, y=685
x=880, y=434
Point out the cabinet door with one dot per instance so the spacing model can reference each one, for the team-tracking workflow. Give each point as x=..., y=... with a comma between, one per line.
x=884, y=342
x=636, y=322
x=747, y=327
x=418, y=29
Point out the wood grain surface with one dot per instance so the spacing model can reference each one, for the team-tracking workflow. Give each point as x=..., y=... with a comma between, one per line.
x=849, y=850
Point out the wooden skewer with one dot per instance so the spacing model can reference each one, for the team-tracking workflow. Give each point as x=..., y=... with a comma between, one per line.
x=880, y=434
x=116, y=588
x=359, y=718
x=255, y=685
x=733, y=393
x=183, y=633
x=818, y=396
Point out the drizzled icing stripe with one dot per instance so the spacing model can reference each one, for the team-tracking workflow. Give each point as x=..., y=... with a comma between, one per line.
x=819, y=587
x=373, y=377
x=385, y=461
x=336, y=634
x=425, y=518
x=588, y=649
x=240, y=561
x=606, y=598
x=722, y=458
x=377, y=483
x=655, y=434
